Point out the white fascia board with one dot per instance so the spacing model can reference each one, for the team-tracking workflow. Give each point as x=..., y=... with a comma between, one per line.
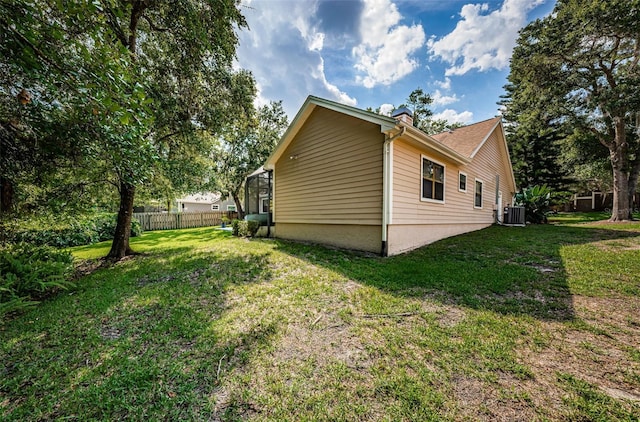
x=387, y=124
x=506, y=149
x=475, y=151
x=504, y=145
x=440, y=148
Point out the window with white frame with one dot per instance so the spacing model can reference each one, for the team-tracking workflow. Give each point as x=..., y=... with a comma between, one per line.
x=432, y=180
x=462, y=182
x=477, y=202
x=231, y=208
x=215, y=207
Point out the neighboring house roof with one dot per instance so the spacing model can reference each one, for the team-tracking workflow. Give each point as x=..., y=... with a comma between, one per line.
x=467, y=140
x=200, y=198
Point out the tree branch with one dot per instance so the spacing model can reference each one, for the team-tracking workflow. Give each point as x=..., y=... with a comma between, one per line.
x=600, y=138
x=36, y=50
x=167, y=136
x=113, y=23
x=153, y=26
x=136, y=13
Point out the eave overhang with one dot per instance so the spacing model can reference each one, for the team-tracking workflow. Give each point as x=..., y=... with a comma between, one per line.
x=387, y=124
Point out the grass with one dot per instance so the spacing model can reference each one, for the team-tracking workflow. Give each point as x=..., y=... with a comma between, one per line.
x=540, y=323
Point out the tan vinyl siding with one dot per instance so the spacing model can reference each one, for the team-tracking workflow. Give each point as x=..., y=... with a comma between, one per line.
x=336, y=176
x=405, y=237
x=458, y=207
x=352, y=236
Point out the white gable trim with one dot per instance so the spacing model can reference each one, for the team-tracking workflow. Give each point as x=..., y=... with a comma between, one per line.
x=486, y=138
x=504, y=145
x=438, y=147
x=387, y=124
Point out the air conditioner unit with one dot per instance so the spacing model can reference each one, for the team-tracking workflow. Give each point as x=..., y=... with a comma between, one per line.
x=514, y=215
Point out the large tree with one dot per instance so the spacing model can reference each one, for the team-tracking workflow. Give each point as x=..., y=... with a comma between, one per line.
x=39, y=85
x=583, y=61
x=182, y=53
x=144, y=83
x=536, y=138
x=419, y=103
x=245, y=145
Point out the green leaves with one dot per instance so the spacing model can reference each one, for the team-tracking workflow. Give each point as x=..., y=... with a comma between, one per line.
x=246, y=144
x=536, y=202
x=29, y=272
x=576, y=74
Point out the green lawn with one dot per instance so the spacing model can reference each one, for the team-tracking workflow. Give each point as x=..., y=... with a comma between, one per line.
x=535, y=323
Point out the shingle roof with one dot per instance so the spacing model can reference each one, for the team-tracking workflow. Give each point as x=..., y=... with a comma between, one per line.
x=465, y=140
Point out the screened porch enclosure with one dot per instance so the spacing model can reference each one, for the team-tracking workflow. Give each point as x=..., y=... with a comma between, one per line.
x=258, y=197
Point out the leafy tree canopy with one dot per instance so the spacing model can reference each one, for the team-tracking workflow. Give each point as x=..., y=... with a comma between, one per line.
x=245, y=145
x=134, y=90
x=577, y=70
x=419, y=104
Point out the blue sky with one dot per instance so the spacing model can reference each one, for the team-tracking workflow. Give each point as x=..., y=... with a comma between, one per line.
x=373, y=53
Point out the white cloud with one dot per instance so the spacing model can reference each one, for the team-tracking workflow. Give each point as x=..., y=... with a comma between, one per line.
x=453, y=116
x=441, y=100
x=482, y=41
x=334, y=90
x=446, y=84
x=384, y=55
x=386, y=109
x=313, y=38
x=283, y=49
x=317, y=42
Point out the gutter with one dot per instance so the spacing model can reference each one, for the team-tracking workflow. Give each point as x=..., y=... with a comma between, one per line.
x=269, y=214
x=387, y=188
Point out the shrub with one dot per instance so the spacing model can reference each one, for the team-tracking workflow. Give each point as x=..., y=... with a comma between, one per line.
x=235, y=227
x=535, y=201
x=66, y=231
x=29, y=273
x=245, y=228
x=252, y=228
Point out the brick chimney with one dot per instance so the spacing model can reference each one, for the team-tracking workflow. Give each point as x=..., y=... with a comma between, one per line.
x=404, y=115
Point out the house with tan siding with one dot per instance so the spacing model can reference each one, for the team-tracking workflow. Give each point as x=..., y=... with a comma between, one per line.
x=355, y=179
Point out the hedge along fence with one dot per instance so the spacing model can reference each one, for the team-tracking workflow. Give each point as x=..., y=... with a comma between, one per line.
x=150, y=221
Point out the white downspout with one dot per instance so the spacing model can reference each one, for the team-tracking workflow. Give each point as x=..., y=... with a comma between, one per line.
x=387, y=158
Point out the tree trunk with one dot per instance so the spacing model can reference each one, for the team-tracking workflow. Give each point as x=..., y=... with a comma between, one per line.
x=120, y=246
x=621, y=208
x=633, y=182
x=239, y=209
x=6, y=195
x=619, y=154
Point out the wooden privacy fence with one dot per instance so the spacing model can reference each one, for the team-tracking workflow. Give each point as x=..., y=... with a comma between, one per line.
x=182, y=220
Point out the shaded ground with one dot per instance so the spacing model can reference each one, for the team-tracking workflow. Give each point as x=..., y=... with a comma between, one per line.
x=505, y=324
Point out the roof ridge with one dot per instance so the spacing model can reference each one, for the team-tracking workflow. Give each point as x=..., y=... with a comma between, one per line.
x=469, y=125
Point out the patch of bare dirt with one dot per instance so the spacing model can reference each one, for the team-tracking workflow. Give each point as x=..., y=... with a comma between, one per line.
x=327, y=340
x=481, y=401
x=596, y=351
x=110, y=333
x=87, y=266
x=607, y=223
x=446, y=315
